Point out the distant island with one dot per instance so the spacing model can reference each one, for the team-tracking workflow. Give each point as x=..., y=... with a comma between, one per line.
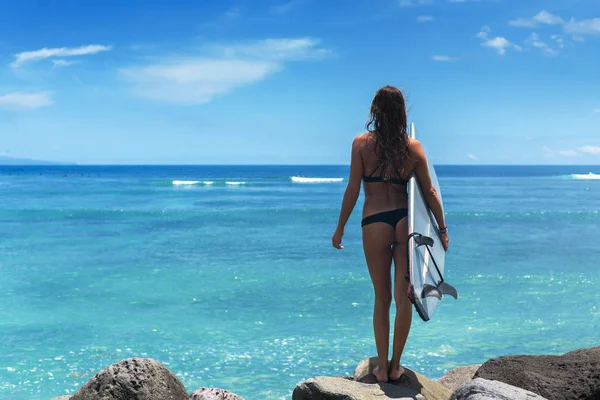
x=6, y=160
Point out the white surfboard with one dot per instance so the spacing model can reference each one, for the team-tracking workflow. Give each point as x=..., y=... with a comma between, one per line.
x=426, y=255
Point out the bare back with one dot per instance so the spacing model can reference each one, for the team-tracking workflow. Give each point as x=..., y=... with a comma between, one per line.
x=382, y=196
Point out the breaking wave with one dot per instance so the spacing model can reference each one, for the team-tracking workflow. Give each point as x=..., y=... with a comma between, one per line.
x=300, y=179
x=181, y=183
x=590, y=176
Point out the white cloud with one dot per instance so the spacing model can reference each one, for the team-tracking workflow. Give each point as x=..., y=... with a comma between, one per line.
x=229, y=17
x=273, y=49
x=534, y=40
x=286, y=7
x=23, y=100
x=548, y=152
x=543, y=17
x=425, y=18
x=473, y=157
x=500, y=44
x=574, y=27
x=443, y=58
x=414, y=3
x=484, y=33
x=195, y=81
x=198, y=79
x=559, y=40
x=594, y=150
x=583, y=27
x=567, y=153
x=42, y=54
x=63, y=63
x=522, y=23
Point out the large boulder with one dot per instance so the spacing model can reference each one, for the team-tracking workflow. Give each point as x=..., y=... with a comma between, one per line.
x=574, y=375
x=214, y=394
x=458, y=376
x=431, y=390
x=336, y=388
x=133, y=379
x=482, y=389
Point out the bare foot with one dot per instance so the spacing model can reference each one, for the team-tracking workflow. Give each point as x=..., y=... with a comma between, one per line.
x=395, y=374
x=381, y=376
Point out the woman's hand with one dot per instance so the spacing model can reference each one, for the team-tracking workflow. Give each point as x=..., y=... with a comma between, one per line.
x=445, y=241
x=336, y=239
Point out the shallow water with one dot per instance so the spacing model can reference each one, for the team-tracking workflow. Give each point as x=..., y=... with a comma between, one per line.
x=237, y=285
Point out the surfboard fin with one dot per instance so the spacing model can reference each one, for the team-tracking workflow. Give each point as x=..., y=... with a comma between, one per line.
x=421, y=240
x=431, y=291
x=438, y=291
x=448, y=289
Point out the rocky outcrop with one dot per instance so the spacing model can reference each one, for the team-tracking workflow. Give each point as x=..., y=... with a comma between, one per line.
x=133, y=379
x=213, y=394
x=364, y=386
x=459, y=376
x=482, y=389
x=142, y=379
x=418, y=383
x=331, y=388
x=574, y=375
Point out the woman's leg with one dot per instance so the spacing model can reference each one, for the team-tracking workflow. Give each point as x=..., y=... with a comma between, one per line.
x=403, y=306
x=377, y=240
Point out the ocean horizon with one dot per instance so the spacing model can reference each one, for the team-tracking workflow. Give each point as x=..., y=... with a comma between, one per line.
x=226, y=273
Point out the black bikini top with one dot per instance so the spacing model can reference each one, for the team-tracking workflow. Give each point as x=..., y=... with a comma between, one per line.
x=380, y=178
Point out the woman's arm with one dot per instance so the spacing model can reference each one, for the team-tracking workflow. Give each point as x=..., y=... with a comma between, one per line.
x=429, y=192
x=351, y=194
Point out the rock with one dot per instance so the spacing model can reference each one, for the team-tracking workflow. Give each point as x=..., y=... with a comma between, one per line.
x=458, y=376
x=482, y=389
x=574, y=375
x=330, y=388
x=62, y=398
x=133, y=379
x=214, y=394
x=431, y=390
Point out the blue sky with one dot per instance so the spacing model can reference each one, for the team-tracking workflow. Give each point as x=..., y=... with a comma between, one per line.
x=280, y=81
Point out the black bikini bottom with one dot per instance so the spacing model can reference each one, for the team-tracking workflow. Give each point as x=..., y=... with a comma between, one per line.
x=389, y=217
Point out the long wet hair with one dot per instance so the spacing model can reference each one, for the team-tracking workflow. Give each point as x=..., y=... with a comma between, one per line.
x=388, y=124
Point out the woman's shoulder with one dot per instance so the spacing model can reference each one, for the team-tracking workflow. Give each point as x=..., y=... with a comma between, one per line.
x=413, y=142
x=361, y=139
x=363, y=136
x=416, y=150
x=414, y=145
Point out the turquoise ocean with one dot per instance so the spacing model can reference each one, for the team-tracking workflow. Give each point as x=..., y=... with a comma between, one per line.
x=226, y=274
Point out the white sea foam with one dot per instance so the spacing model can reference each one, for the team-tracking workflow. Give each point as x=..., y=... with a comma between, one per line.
x=589, y=176
x=235, y=183
x=300, y=179
x=185, y=182
x=179, y=183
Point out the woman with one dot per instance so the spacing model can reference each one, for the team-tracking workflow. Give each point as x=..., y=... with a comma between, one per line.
x=383, y=158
